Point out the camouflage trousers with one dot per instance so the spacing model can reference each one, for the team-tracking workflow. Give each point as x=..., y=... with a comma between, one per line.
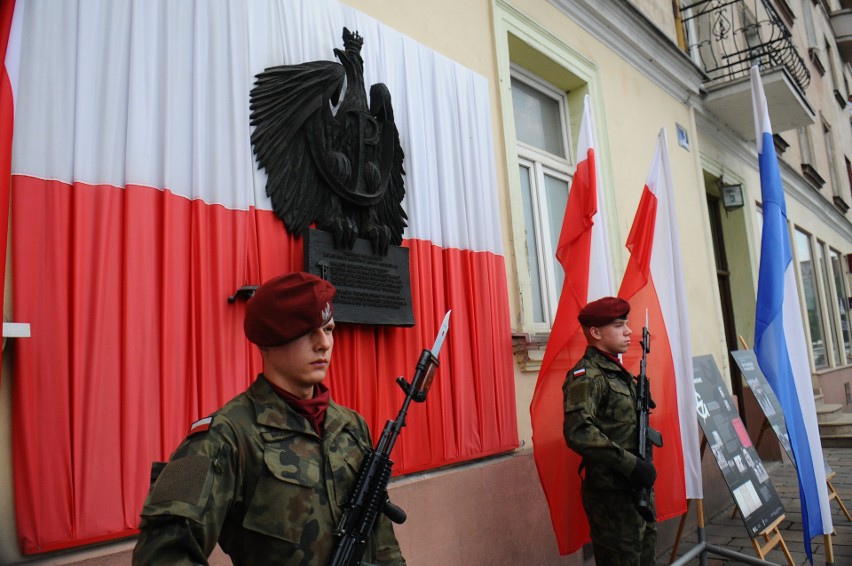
x=620, y=537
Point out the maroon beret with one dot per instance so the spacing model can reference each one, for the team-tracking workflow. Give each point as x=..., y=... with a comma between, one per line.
x=287, y=307
x=603, y=311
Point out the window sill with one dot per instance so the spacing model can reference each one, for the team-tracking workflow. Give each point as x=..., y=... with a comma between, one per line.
x=529, y=350
x=785, y=11
x=781, y=144
x=812, y=176
x=813, y=53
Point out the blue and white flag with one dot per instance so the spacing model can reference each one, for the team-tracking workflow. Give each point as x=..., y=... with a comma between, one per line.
x=779, y=335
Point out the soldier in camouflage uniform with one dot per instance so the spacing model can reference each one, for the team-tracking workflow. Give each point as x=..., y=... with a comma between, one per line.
x=601, y=426
x=266, y=475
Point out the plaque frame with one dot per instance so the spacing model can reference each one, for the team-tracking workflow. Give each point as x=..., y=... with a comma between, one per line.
x=371, y=288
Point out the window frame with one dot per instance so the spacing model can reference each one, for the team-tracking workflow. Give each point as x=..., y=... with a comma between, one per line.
x=806, y=318
x=831, y=154
x=541, y=164
x=840, y=293
x=520, y=40
x=830, y=314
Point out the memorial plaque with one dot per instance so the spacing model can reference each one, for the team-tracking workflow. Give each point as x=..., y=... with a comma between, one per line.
x=747, y=362
x=371, y=289
x=742, y=469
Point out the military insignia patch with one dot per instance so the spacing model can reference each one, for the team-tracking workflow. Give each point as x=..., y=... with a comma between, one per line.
x=579, y=372
x=200, y=425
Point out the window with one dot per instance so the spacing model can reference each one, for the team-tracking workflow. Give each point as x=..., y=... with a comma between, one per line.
x=848, y=172
x=542, y=140
x=810, y=32
x=842, y=303
x=542, y=82
x=811, y=298
x=806, y=145
x=832, y=312
x=832, y=67
x=539, y=112
x=751, y=33
x=832, y=158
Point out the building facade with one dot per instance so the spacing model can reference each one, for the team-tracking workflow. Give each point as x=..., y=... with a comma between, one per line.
x=645, y=65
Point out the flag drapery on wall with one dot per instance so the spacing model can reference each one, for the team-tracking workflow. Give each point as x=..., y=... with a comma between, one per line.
x=653, y=283
x=138, y=210
x=779, y=336
x=583, y=251
x=10, y=39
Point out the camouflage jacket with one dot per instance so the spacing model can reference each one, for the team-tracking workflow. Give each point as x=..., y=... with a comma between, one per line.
x=600, y=419
x=261, y=483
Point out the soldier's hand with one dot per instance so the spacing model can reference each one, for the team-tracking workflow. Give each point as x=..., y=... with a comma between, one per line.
x=644, y=474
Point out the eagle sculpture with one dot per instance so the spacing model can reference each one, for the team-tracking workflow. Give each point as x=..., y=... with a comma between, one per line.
x=329, y=157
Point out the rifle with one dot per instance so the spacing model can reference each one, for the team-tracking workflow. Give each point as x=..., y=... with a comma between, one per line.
x=370, y=494
x=647, y=435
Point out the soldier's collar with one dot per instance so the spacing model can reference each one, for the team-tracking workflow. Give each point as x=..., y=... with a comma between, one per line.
x=612, y=358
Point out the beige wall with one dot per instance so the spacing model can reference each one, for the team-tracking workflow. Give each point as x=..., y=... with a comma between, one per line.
x=630, y=111
x=7, y=519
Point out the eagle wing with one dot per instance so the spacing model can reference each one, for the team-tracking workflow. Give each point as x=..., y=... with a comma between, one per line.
x=389, y=211
x=283, y=99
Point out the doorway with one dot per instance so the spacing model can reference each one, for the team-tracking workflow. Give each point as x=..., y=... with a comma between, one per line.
x=723, y=279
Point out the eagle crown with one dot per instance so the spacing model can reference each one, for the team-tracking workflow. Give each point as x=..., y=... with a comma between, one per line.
x=352, y=42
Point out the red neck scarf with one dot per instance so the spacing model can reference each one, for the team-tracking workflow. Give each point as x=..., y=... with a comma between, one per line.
x=612, y=358
x=312, y=409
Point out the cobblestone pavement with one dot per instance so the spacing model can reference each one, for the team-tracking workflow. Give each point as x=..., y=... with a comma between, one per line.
x=727, y=530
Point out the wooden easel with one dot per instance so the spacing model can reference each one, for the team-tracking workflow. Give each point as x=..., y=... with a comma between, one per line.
x=771, y=535
x=772, y=538
x=832, y=493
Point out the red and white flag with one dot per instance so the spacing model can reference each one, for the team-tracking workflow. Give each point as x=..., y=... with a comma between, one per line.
x=11, y=13
x=138, y=209
x=653, y=283
x=583, y=251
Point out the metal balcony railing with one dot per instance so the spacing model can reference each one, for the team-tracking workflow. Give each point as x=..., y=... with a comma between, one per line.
x=727, y=37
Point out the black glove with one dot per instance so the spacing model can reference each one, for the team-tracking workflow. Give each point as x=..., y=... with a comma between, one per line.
x=644, y=474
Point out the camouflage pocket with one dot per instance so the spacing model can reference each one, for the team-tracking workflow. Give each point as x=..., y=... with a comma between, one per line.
x=280, y=509
x=294, y=462
x=287, y=495
x=620, y=406
x=345, y=468
x=345, y=457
